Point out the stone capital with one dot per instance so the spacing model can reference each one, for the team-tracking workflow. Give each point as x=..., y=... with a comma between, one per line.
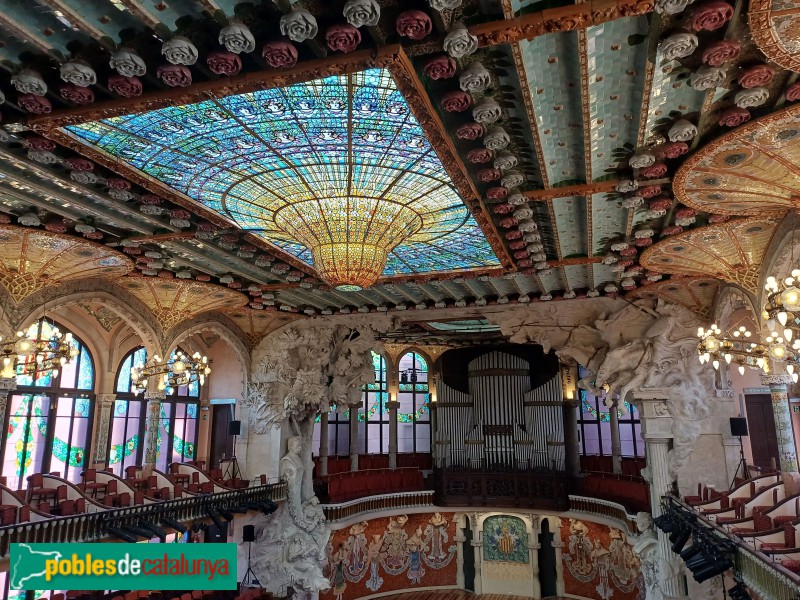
x=105, y=399
x=7, y=384
x=157, y=396
x=776, y=380
x=393, y=405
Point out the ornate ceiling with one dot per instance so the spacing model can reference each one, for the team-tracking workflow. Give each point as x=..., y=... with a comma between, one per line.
x=576, y=147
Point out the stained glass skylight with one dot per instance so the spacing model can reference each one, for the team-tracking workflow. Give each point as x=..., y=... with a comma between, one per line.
x=334, y=158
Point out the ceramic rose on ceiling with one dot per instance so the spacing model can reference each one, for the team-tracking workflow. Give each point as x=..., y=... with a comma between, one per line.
x=487, y=112
x=29, y=82
x=127, y=63
x=460, y=42
x=496, y=139
x=444, y=4
x=237, y=38
x=360, y=13
x=682, y=131
x=179, y=51
x=78, y=73
x=475, y=78
x=678, y=45
x=299, y=25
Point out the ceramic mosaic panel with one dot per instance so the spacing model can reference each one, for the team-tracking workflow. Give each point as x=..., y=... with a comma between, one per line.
x=31, y=260
x=578, y=277
x=505, y=539
x=695, y=293
x=668, y=94
x=775, y=27
x=394, y=553
x=609, y=219
x=553, y=73
x=598, y=562
x=603, y=274
x=751, y=171
x=281, y=161
x=551, y=280
x=615, y=83
x=571, y=222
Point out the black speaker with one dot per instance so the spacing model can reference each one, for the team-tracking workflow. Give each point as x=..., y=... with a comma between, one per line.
x=235, y=428
x=739, y=426
x=249, y=533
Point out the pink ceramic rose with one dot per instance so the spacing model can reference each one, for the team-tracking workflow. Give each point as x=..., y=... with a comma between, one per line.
x=470, y=131
x=518, y=245
x=224, y=63
x=629, y=251
x=508, y=223
x=127, y=87
x=514, y=235
x=479, y=155
x=718, y=219
x=280, y=54
x=343, y=37
x=36, y=142
x=659, y=204
x=685, y=213
x=721, y=52
x=414, y=24
x=80, y=164
x=456, y=101
x=756, y=76
x=486, y=175
x=672, y=149
x=152, y=200
x=93, y=235
x=497, y=193
x=644, y=242
x=671, y=230
x=520, y=254
x=440, y=67
x=655, y=170
x=175, y=75
x=710, y=16
x=77, y=94
x=118, y=183
x=733, y=116
x=649, y=191
x=36, y=105
x=793, y=92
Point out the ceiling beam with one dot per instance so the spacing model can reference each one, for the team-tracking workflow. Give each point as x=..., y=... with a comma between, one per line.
x=581, y=189
x=552, y=20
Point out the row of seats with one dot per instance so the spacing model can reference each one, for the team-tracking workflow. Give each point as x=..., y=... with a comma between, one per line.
x=341, y=464
x=631, y=492
x=343, y=487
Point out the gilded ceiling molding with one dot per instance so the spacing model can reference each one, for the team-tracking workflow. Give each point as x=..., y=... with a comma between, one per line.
x=581, y=189
x=392, y=58
x=525, y=89
x=732, y=251
x=753, y=170
x=255, y=324
x=775, y=29
x=174, y=300
x=35, y=259
x=695, y=293
x=553, y=20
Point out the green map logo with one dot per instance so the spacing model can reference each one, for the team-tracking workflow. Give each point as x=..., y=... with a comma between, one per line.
x=144, y=566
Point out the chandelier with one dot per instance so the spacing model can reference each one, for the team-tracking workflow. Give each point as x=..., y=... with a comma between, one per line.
x=351, y=245
x=36, y=353
x=179, y=369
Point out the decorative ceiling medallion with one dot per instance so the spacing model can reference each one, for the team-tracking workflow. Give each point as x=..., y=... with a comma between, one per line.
x=173, y=300
x=735, y=256
x=338, y=171
x=775, y=28
x=695, y=293
x=32, y=259
x=257, y=323
x=753, y=170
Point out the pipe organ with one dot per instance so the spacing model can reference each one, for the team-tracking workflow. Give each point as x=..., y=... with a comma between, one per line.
x=501, y=423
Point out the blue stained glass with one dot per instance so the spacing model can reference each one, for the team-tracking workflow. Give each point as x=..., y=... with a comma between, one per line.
x=343, y=137
x=86, y=372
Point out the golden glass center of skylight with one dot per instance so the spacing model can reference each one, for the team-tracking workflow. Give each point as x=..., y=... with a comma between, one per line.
x=335, y=171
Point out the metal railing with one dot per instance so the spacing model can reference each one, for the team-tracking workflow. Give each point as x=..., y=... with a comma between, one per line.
x=346, y=510
x=93, y=527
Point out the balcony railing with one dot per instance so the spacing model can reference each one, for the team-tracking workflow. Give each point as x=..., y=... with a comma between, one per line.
x=346, y=510
x=596, y=507
x=93, y=527
x=467, y=487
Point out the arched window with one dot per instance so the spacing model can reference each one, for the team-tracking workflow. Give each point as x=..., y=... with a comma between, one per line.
x=128, y=418
x=374, y=412
x=49, y=417
x=413, y=416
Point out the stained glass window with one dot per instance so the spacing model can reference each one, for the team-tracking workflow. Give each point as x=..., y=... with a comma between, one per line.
x=414, y=422
x=374, y=413
x=48, y=424
x=326, y=154
x=178, y=425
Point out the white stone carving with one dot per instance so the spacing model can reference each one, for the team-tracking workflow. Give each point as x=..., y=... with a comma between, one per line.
x=299, y=25
x=237, y=38
x=487, y=112
x=707, y=78
x=641, y=160
x=362, y=12
x=179, y=51
x=682, y=131
x=475, y=78
x=29, y=82
x=127, y=63
x=496, y=139
x=460, y=42
x=751, y=98
x=678, y=45
x=78, y=73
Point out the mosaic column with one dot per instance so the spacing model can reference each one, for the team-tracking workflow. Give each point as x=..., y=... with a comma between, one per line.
x=104, y=403
x=533, y=554
x=154, y=400
x=7, y=386
x=323, y=442
x=616, y=446
x=354, y=436
x=393, y=406
x=779, y=390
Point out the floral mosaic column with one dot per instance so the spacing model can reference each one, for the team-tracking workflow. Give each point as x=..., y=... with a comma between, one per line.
x=104, y=404
x=154, y=400
x=393, y=406
x=779, y=391
x=354, y=437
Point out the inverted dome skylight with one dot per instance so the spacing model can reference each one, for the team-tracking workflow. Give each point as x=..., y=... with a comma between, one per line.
x=336, y=171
